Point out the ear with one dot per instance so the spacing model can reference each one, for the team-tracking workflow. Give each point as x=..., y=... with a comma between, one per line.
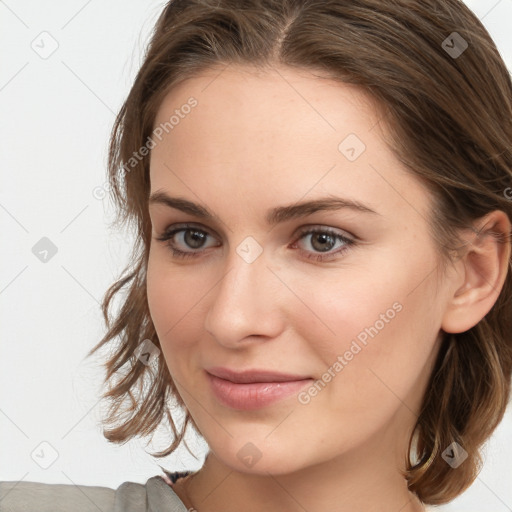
x=484, y=269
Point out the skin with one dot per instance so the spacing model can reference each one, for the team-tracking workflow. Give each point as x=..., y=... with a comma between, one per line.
x=255, y=141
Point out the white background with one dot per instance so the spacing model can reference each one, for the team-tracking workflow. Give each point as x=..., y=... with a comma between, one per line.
x=56, y=116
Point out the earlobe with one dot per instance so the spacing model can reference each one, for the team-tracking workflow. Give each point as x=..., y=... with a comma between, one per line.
x=485, y=265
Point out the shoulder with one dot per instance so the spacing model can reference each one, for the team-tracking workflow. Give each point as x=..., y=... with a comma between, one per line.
x=31, y=496
x=154, y=496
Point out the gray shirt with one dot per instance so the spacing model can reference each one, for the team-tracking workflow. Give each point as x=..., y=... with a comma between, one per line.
x=154, y=496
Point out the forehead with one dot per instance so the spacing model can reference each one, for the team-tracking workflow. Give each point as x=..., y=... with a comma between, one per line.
x=245, y=92
x=282, y=131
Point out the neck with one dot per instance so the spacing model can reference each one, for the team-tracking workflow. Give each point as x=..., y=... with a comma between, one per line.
x=358, y=480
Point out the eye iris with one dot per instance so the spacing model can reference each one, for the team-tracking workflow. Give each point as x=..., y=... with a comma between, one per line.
x=320, y=241
x=323, y=238
x=194, y=239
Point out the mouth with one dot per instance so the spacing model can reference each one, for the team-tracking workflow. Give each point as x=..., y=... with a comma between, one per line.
x=253, y=389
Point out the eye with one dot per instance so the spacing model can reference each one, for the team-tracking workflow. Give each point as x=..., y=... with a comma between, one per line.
x=186, y=237
x=322, y=241
x=189, y=241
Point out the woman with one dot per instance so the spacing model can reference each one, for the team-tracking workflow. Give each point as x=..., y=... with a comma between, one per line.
x=321, y=190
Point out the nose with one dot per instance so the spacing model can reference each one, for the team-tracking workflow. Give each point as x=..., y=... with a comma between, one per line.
x=245, y=304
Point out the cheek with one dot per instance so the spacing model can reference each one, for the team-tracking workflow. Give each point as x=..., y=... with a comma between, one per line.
x=172, y=292
x=339, y=304
x=383, y=326
x=176, y=299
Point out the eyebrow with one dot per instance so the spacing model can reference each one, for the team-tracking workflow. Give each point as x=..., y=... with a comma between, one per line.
x=275, y=215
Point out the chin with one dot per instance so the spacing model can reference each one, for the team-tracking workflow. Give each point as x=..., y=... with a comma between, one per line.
x=258, y=457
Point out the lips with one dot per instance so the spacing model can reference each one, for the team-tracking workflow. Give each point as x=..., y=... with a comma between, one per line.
x=250, y=376
x=253, y=389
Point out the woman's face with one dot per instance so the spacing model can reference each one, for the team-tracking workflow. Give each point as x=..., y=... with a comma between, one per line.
x=281, y=278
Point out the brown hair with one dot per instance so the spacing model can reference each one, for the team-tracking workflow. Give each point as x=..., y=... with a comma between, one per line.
x=450, y=120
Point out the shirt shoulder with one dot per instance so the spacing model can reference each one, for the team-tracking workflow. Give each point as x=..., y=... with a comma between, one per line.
x=36, y=496
x=153, y=496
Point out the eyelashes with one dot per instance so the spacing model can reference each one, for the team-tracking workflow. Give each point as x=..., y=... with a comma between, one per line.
x=191, y=236
x=328, y=236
